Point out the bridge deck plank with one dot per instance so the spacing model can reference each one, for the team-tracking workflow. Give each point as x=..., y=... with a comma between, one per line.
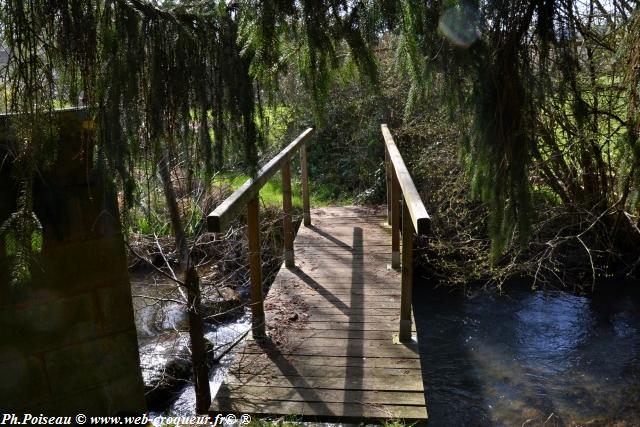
x=330, y=355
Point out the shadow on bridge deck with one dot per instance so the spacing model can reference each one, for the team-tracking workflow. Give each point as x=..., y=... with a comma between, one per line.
x=330, y=355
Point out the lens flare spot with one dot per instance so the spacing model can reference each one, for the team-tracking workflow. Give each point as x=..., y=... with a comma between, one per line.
x=459, y=24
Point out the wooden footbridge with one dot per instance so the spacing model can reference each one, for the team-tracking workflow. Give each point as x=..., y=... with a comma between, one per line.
x=336, y=342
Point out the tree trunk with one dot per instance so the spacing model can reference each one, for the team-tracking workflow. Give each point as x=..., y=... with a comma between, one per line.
x=218, y=124
x=192, y=284
x=205, y=141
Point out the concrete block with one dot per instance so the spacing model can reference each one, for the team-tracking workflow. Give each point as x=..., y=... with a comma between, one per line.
x=93, y=362
x=23, y=381
x=50, y=324
x=116, y=308
x=126, y=394
x=122, y=396
x=80, y=265
x=78, y=302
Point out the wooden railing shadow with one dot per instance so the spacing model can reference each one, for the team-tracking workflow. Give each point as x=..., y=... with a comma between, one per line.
x=355, y=343
x=315, y=285
x=274, y=353
x=329, y=237
x=253, y=401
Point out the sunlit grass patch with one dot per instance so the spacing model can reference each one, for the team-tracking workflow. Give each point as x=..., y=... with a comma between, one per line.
x=271, y=192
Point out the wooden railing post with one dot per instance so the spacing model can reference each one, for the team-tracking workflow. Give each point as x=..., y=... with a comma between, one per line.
x=414, y=219
x=395, y=220
x=255, y=265
x=286, y=207
x=407, y=275
x=248, y=194
x=388, y=173
x=305, y=185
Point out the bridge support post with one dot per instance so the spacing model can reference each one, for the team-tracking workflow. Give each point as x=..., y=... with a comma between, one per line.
x=407, y=275
x=305, y=185
x=255, y=265
x=286, y=207
x=395, y=220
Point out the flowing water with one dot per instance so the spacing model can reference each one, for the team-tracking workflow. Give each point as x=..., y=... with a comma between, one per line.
x=223, y=335
x=164, y=342
x=530, y=357
x=523, y=358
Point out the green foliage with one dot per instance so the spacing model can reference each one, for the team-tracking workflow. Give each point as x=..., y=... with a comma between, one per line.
x=551, y=89
x=152, y=75
x=271, y=192
x=511, y=66
x=22, y=237
x=309, y=36
x=150, y=225
x=139, y=69
x=346, y=152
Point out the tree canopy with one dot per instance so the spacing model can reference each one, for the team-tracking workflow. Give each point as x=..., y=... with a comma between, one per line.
x=550, y=88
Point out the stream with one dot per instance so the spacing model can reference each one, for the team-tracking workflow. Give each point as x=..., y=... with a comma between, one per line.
x=185, y=403
x=530, y=357
x=523, y=358
x=163, y=341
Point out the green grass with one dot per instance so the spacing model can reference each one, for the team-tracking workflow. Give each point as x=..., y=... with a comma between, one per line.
x=271, y=192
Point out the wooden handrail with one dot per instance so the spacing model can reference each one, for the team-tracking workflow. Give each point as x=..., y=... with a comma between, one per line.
x=414, y=219
x=248, y=194
x=219, y=219
x=419, y=216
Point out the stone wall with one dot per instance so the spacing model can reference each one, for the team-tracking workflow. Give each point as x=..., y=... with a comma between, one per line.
x=67, y=339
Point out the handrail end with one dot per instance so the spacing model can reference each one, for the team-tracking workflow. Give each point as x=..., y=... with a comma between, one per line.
x=307, y=132
x=214, y=225
x=423, y=225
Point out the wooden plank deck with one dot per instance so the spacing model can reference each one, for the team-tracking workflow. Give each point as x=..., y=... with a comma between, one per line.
x=330, y=354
